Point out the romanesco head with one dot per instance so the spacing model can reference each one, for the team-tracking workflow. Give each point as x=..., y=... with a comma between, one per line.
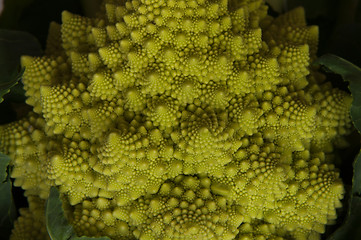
x=187, y=119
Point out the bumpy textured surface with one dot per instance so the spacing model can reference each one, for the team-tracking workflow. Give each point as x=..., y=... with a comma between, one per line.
x=187, y=119
x=30, y=225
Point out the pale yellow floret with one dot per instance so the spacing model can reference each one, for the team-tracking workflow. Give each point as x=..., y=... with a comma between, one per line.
x=100, y=36
x=61, y=108
x=79, y=62
x=101, y=86
x=124, y=78
x=101, y=116
x=31, y=223
x=41, y=71
x=163, y=112
x=53, y=42
x=74, y=32
x=185, y=205
x=94, y=61
x=111, y=55
x=259, y=230
x=154, y=83
x=185, y=89
x=27, y=149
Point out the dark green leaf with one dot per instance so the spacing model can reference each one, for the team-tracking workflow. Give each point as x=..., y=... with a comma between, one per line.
x=7, y=207
x=351, y=229
x=56, y=223
x=356, y=188
x=350, y=73
x=17, y=93
x=10, y=82
x=4, y=162
x=91, y=238
x=14, y=44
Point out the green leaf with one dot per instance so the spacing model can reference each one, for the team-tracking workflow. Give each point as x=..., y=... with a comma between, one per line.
x=91, y=238
x=351, y=229
x=350, y=73
x=6, y=85
x=56, y=223
x=7, y=207
x=14, y=44
x=4, y=162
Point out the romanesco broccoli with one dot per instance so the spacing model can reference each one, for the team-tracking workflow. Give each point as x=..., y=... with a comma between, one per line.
x=180, y=119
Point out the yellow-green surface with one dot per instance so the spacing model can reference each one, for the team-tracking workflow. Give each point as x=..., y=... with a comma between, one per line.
x=180, y=120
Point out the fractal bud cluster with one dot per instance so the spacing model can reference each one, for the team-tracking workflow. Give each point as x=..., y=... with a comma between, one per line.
x=187, y=119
